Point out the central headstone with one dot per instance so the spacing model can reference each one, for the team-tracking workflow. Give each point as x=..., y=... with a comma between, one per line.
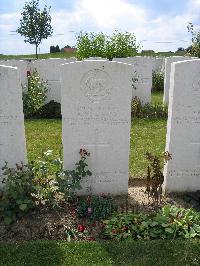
x=12, y=133
x=96, y=116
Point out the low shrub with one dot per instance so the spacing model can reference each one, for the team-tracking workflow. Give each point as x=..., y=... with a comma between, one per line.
x=168, y=223
x=158, y=81
x=148, y=110
x=154, y=176
x=34, y=94
x=49, y=111
x=17, y=196
x=42, y=182
x=95, y=208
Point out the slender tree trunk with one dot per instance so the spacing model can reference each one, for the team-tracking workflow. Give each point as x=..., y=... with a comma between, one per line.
x=36, y=51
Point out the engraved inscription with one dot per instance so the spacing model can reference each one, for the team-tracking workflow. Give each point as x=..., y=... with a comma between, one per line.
x=88, y=115
x=96, y=85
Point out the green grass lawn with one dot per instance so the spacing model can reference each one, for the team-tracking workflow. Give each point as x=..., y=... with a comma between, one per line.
x=157, y=98
x=146, y=135
x=159, y=252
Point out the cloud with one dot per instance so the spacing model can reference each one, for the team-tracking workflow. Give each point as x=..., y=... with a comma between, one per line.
x=107, y=15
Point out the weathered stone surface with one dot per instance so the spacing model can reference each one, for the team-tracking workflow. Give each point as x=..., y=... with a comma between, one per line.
x=182, y=173
x=96, y=115
x=168, y=62
x=141, y=82
x=12, y=134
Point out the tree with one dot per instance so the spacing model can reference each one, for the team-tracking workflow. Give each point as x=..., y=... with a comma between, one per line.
x=57, y=49
x=35, y=24
x=118, y=44
x=52, y=49
x=195, y=50
x=180, y=49
x=121, y=45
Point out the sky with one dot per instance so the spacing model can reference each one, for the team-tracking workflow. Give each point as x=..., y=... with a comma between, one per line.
x=159, y=25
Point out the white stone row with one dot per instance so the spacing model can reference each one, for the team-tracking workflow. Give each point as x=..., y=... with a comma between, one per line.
x=49, y=70
x=96, y=110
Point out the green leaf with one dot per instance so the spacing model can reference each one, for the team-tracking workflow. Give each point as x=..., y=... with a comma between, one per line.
x=8, y=220
x=23, y=207
x=169, y=230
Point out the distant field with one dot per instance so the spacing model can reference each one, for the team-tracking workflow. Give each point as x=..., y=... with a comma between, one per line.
x=41, y=56
x=67, y=55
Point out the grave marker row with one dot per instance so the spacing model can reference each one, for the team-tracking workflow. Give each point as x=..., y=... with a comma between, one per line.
x=96, y=102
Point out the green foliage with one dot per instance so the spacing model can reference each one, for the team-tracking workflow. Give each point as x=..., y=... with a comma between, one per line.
x=121, y=45
x=148, y=110
x=35, y=25
x=70, y=180
x=95, y=208
x=195, y=49
x=158, y=81
x=43, y=182
x=91, y=45
x=49, y=110
x=100, y=45
x=34, y=97
x=155, y=177
x=17, y=195
x=54, y=49
x=168, y=223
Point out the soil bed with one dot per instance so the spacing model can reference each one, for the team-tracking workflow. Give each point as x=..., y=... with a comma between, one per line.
x=52, y=224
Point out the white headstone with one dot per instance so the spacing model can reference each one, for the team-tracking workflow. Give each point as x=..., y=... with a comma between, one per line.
x=182, y=173
x=22, y=65
x=96, y=115
x=49, y=70
x=12, y=133
x=168, y=62
x=141, y=83
x=158, y=64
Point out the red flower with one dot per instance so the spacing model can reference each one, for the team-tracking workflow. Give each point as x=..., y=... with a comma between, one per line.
x=114, y=231
x=28, y=73
x=93, y=224
x=124, y=228
x=83, y=152
x=81, y=228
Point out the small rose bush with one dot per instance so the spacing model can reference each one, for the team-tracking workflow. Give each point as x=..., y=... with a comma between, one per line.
x=34, y=93
x=95, y=208
x=40, y=183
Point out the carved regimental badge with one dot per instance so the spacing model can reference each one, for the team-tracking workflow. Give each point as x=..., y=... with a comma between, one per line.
x=96, y=85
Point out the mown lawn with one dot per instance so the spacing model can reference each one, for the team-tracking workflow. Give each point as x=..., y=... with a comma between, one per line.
x=146, y=135
x=157, y=98
x=159, y=252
